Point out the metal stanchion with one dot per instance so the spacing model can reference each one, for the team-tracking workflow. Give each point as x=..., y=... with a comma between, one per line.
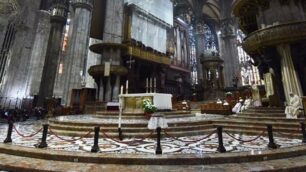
x=221, y=147
x=8, y=138
x=158, y=147
x=271, y=144
x=43, y=142
x=95, y=147
x=303, y=132
x=120, y=134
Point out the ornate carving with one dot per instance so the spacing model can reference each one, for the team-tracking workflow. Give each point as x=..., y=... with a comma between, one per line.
x=279, y=34
x=88, y=4
x=98, y=70
x=228, y=28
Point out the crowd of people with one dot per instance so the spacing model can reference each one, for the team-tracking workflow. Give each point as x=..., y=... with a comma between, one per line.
x=16, y=114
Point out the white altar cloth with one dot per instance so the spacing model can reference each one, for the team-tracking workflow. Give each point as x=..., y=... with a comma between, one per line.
x=160, y=100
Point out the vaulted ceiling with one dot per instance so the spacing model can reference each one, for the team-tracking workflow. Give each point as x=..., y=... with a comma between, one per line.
x=208, y=9
x=8, y=7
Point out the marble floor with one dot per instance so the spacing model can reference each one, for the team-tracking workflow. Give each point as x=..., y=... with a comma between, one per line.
x=183, y=145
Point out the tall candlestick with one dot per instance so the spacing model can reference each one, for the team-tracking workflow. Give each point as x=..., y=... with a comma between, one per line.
x=127, y=87
x=150, y=85
x=154, y=81
x=121, y=89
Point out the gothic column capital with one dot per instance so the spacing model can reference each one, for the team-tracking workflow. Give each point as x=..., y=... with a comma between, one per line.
x=87, y=4
x=59, y=11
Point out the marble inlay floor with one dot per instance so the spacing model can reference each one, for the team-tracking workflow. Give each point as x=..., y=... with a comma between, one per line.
x=181, y=145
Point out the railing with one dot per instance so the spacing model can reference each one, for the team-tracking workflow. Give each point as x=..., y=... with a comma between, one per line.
x=96, y=148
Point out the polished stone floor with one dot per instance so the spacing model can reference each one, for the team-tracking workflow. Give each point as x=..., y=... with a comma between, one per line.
x=183, y=145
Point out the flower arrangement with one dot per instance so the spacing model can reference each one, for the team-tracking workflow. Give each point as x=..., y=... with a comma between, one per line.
x=148, y=106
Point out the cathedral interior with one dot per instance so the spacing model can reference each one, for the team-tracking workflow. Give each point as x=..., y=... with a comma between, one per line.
x=148, y=85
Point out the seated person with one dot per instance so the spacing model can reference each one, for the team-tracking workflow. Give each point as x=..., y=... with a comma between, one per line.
x=237, y=107
x=247, y=103
x=292, y=109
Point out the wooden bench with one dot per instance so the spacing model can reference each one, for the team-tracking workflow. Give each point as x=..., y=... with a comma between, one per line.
x=214, y=108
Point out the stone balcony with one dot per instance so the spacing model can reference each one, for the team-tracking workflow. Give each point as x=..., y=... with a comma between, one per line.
x=275, y=35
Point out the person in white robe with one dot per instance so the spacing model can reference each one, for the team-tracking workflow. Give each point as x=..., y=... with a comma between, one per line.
x=237, y=107
x=292, y=109
x=247, y=104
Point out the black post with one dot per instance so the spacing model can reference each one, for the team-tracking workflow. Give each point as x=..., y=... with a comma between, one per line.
x=120, y=134
x=9, y=132
x=158, y=147
x=43, y=143
x=303, y=132
x=95, y=147
x=221, y=147
x=271, y=144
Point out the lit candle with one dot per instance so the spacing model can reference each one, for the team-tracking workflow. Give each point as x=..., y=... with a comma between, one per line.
x=121, y=89
x=127, y=87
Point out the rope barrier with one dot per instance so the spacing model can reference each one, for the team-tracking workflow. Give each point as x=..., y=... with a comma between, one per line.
x=127, y=142
x=31, y=135
x=192, y=141
x=72, y=140
x=245, y=141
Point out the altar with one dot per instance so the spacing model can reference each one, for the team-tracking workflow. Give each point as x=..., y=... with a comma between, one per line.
x=133, y=102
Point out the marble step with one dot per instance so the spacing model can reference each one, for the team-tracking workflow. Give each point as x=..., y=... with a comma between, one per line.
x=266, y=110
x=259, y=127
x=294, y=164
x=256, y=123
x=257, y=132
x=130, y=129
x=266, y=118
x=261, y=114
x=143, y=123
x=166, y=113
x=142, y=116
x=127, y=159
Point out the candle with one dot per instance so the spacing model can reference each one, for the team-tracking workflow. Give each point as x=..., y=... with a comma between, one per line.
x=150, y=82
x=147, y=82
x=121, y=89
x=154, y=81
x=127, y=86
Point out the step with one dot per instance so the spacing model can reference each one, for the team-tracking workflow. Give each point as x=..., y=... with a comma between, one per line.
x=141, y=159
x=129, y=129
x=279, y=119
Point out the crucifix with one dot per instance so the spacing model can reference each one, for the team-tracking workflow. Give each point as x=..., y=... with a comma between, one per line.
x=130, y=62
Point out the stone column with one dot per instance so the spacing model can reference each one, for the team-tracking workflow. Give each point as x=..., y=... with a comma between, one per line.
x=290, y=78
x=229, y=51
x=108, y=91
x=38, y=52
x=59, y=10
x=113, y=32
x=75, y=65
x=200, y=47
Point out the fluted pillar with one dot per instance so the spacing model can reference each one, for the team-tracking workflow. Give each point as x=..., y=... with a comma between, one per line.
x=200, y=47
x=38, y=52
x=290, y=78
x=113, y=32
x=59, y=11
x=75, y=64
x=229, y=51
